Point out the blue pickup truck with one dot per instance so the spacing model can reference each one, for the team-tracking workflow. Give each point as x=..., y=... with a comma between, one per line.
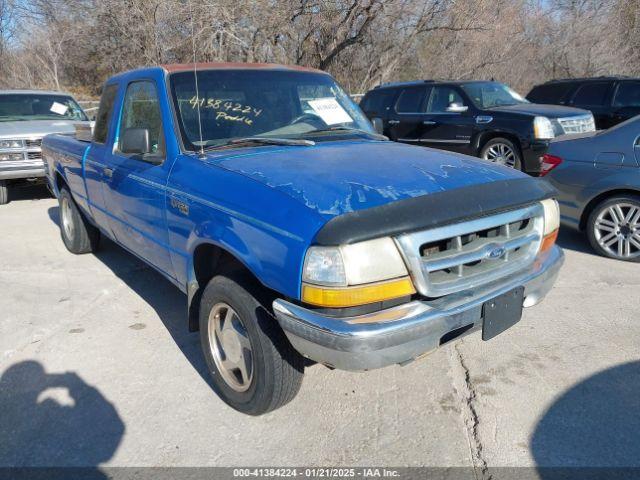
x=296, y=231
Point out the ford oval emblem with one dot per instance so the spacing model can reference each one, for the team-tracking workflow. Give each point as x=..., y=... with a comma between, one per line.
x=497, y=252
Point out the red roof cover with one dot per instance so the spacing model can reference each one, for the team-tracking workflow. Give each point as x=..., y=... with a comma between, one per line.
x=182, y=67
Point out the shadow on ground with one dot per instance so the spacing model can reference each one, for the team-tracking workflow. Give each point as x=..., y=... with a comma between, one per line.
x=168, y=302
x=26, y=192
x=572, y=240
x=55, y=419
x=594, y=424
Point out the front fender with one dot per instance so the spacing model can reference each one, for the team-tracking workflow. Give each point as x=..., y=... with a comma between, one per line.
x=263, y=228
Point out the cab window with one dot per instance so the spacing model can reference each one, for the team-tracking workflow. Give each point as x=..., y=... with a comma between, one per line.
x=141, y=110
x=442, y=98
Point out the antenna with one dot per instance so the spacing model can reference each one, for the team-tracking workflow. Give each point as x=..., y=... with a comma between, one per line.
x=195, y=76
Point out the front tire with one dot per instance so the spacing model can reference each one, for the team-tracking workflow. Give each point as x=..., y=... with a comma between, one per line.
x=4, y=192
x=78, y=235
x=503, y=152
x=613, y=228
x=253, y=366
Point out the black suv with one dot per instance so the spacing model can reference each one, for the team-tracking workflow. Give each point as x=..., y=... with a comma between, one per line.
x=612, y=100
x=485, y=119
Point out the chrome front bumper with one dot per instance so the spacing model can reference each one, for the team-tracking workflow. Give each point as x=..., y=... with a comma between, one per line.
x=403, y=333
x=26, y=171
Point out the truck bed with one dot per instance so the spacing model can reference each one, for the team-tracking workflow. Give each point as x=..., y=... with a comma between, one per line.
x=64, y=154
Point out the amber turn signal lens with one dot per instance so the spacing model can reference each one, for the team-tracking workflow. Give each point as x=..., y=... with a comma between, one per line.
x=549, y=241
x=354, y=296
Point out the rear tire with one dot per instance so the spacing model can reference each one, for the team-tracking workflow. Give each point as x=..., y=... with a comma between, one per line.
x=613, y=228
x=4, y=192
x=77, y=233
x=503, y=152
x=253, y=366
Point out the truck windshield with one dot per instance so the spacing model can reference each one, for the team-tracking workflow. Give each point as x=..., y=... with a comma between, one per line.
x=492, y=94
x=18, y=107
x=262, y=103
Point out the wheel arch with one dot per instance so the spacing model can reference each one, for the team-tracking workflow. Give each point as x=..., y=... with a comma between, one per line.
x=484, y=137
x=601, y=197
x=210, y=259
x=59, y=181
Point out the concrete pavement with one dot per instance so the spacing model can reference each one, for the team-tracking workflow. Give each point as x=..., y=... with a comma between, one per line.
x=97, y=367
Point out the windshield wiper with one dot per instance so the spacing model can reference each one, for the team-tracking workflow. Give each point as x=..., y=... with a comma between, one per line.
x=341, y=128
x=237, y=142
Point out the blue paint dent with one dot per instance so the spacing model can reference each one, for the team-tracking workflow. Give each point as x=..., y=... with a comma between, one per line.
x=333, y=178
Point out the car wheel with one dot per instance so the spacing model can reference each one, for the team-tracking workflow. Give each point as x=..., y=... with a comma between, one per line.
x=253, y=366
x=502, y=152
x=4, y=192
x=614, y=228
x=78, y=235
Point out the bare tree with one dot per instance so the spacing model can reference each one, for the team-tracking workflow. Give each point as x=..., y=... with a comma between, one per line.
x=76, y=44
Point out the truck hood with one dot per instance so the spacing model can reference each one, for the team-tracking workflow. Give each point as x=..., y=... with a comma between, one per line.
x=36, y=128
x=535, y=109
x=337, y=177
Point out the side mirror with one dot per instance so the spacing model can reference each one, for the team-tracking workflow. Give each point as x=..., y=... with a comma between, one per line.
x=378, y=126
x=457, y=108
x=135, y=141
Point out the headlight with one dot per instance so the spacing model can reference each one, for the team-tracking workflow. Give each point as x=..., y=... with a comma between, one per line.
x=11, y=157
x=543, y=129
x=551, y=223
x=357, y=274
x=324, y=266
x=11, y=144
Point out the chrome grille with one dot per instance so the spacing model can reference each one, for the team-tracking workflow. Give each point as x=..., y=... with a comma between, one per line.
x=456, y=257
x=28, y=155
x=580, y=124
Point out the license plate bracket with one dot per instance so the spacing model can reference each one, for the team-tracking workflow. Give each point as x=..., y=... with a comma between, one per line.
x=502, y=312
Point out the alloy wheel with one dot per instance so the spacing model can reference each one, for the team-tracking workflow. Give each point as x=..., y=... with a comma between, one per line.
x=230, y=347
x=617, y=230
x=502, y=154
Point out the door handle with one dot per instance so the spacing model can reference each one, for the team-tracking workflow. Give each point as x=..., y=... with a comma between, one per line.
x=429, y=122
x=394, y=122
x=107, y=172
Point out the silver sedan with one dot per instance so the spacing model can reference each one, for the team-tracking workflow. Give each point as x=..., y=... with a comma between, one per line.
x=598, y=176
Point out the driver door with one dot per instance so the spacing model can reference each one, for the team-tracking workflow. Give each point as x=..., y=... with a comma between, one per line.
x=135, y=184
x=448, y=124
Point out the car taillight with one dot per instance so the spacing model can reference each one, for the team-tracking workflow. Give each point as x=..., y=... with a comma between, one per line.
x=549, y=162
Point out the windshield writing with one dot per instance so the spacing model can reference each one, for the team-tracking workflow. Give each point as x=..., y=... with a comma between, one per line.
x=235, y=104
